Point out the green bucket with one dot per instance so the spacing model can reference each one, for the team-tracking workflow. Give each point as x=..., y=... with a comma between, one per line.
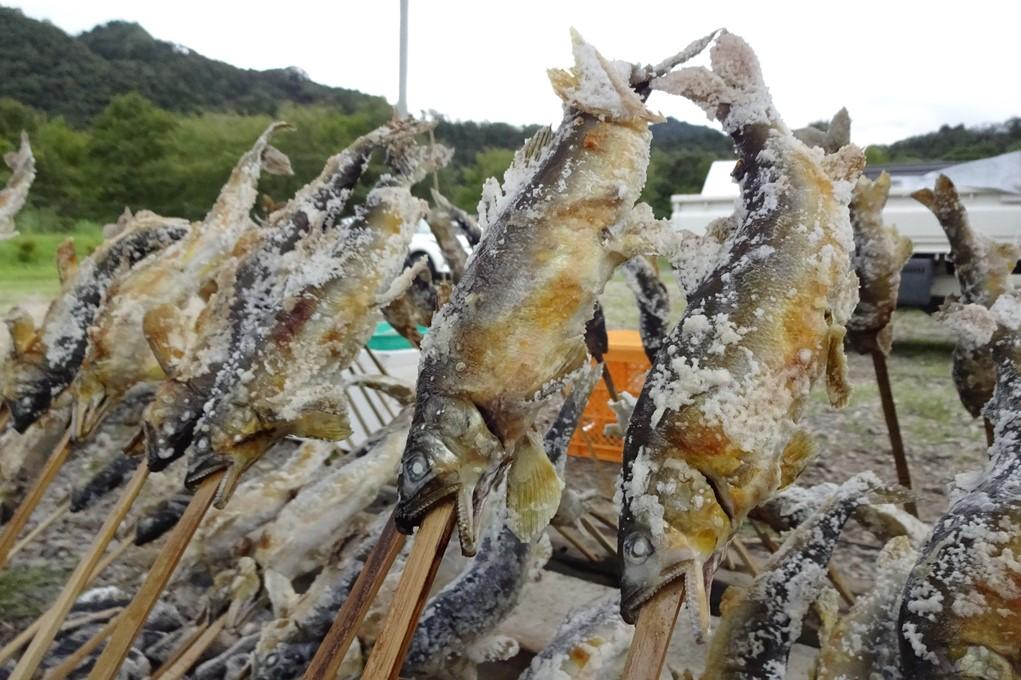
x=386, y=339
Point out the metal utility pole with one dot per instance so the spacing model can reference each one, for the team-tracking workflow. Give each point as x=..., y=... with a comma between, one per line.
x=402, y=99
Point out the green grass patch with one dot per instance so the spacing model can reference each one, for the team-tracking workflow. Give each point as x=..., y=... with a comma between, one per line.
x=25, y=592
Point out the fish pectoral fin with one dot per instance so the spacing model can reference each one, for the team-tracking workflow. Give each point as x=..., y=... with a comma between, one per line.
x=838, y=387
x=322, y=417
x=67, y=261
x=492, y=648
x=400, y=285
x=163, y=327
x=276, y=162
x=21, y=326
x=533, y=490
x=796, y=455
x=400, y=391
x=282, y=596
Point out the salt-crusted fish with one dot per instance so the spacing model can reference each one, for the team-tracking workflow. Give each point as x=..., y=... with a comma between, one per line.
x=863, y=643
x=318, y=517
x=45, y=362
x=960, y=616
x=160, y=518
x=138, y=315
x=236, y=321
x=879, y=250
x=15, y=193
x=512, y=333
x=105, y=448
x=713, y=433
x=983, y=268
x=466, y=224
x=329, y=311
x=443, y=221
x=591, y=644
x=457, y=628
x=758, y=625
x=653, y=303
x=414, y=308
x=23, y=455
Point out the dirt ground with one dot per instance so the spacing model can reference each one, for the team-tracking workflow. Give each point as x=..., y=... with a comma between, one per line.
x=941, y=440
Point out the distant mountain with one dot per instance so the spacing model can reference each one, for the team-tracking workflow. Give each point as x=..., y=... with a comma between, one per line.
x=76, y=77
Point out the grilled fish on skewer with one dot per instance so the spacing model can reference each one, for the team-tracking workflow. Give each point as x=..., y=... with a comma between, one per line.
x=329, y=312
x=758, y=626
x=960, y=615
x=442, y=219
x=457, y=628
x=415, y=308
x=162, y=297
x=44, y=366
x=466, y=223
x=14, y=195
x=983, y=268
x=513, y=331
x=879, y=250
x=253, y=289
x=863, y=643
x=714, y=431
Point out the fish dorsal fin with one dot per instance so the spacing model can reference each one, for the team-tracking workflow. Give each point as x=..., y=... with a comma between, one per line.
x=21, y=326
x=536, y=144
x=67, y=261
x=533, y=490
x=163, y=327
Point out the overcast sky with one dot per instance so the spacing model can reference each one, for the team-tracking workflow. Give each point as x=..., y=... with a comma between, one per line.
x=900, y=68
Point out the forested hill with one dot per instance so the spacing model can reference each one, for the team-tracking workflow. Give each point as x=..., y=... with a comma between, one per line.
x=77, y=77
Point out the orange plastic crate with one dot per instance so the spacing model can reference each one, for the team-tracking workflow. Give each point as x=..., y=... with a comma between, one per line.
x=627, y=365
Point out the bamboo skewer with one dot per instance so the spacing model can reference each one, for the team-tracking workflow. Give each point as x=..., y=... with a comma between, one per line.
x=342, y=632
x=746, y=557
x=35, y=494
x=653, y=630
x=33, y=656
x=156, y=580
x=412, y=591
x=900, y=459
x=59, y=512
x=193, y=652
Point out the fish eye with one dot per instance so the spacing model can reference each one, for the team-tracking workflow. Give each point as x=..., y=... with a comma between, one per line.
x=416, y=467
x=272, y=659
x=638, y=548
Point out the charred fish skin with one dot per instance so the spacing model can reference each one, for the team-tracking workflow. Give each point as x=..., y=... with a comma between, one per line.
x=163, y=296
x=514, y=327
x=863, y=643
x=161, y=519
x=255, y=289
x=15, y=193
x=37, y=375
x=757, y=628
x=653, y=303
x=960, y=614
x=983, y=269
x=713, y=433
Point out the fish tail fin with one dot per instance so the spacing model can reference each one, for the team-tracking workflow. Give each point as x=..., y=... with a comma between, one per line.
x=533, y=490
x=733, y=92
x=598, y=86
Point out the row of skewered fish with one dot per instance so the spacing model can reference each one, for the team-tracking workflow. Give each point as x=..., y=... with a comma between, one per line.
x=233, y=336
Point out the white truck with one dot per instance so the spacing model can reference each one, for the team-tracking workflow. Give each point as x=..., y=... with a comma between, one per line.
x=990, y=188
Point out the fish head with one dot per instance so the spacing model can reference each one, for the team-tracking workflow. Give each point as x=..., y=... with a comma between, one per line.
x=672, y=524
x=287, y=660
x=27, y=392
x=169, y=423
x=233, y=442
x=450, y=452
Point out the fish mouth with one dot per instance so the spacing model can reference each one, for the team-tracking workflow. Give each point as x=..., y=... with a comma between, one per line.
x=409, y=515
x=631, y=602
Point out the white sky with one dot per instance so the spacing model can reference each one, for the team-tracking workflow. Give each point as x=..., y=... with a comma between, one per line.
x=900, y=68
